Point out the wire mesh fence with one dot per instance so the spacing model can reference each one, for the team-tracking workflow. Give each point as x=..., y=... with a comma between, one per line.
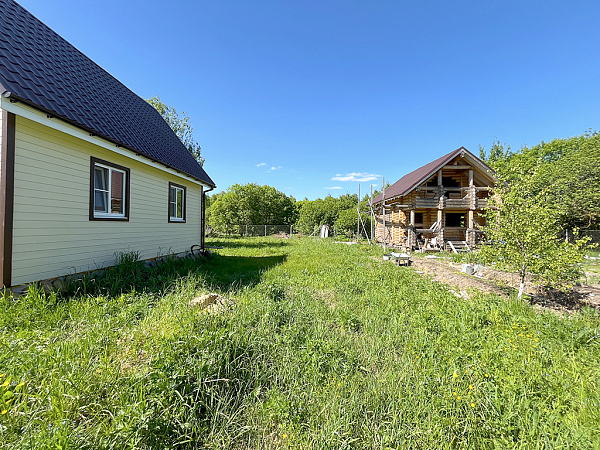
x=250, y=230
x=271, y=230
x=593, y=234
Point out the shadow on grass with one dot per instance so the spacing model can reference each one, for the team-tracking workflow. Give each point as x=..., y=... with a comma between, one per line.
x=247, y=243
x=217, y=272
x=225, y=272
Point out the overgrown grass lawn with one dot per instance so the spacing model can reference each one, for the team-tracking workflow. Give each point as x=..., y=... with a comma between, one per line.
x=326, y=346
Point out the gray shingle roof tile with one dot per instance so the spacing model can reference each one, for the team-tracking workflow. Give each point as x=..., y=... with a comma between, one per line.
x=41, y=69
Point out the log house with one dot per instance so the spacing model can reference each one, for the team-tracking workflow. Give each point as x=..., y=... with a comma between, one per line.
x=437, y=204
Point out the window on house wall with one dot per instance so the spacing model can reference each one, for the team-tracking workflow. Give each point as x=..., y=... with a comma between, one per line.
x=419, y=218
x=455, y=219
x=176, y=202
x=109, y=191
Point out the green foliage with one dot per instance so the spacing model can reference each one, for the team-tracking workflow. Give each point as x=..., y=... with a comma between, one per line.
x=251, y=204
x=346, y=222
x=181, y=124
x=564, y=171
x=523, y=232
x=324, y=211
x=325, y=347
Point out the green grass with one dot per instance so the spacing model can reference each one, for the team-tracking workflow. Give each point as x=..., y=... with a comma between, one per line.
x=326, y=347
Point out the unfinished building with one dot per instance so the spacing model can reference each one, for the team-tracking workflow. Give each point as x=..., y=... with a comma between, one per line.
x=436, y=206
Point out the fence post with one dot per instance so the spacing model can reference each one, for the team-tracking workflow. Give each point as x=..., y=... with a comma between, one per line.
x=265, y=230
x=291, y=230
x=246, y=230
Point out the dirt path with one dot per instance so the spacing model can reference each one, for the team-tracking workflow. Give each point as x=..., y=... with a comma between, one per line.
x=504, y=284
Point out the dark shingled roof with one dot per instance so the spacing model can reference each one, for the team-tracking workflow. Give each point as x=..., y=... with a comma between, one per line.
x=413, y=179
x=41, y=69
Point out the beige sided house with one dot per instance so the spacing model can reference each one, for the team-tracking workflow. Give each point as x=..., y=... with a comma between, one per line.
x=436, y=206
x=88, y=168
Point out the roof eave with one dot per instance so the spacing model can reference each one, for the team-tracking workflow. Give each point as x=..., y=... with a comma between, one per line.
x=15, y=98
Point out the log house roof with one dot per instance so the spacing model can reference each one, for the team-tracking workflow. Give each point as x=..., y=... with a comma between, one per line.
x=417, y=177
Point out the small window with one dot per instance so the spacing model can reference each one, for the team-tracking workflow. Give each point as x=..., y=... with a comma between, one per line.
x=109, y=191
x=419, y=218
x=455, y=220
x=176, y=203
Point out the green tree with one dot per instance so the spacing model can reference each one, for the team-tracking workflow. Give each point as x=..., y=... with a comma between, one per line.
x=523, y=232
x=181, y=124
x=325, y=211
x=565, y=170
x=251, y=204
x=346, y=222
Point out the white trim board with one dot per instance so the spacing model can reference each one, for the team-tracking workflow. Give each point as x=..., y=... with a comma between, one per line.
x=57, y=124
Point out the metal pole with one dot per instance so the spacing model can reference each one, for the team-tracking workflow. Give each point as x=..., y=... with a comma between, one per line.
x=358, y=220
x=371, y=215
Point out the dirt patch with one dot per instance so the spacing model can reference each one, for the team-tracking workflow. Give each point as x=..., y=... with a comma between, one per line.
x=505, y=284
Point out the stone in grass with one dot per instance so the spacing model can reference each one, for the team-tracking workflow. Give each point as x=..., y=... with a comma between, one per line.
x=204, y=300
x=211, y=303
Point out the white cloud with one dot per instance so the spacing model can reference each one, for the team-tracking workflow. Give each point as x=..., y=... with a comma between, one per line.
x=356, y=176
x=274, y=168
x=333, y=187
x=261, y=164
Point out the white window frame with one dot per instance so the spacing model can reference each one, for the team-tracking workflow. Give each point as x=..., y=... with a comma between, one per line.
x=177, y=187
x=99, y=215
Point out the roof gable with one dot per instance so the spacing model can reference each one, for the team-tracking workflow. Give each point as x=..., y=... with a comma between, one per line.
x=41, y=69
x=415, y=178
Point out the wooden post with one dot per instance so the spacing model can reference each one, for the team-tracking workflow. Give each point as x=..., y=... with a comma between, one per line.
x=265, y=230
x=412, y=235
x=470, y=230
x=383, y=209
x=440, y=218
x=440, y=177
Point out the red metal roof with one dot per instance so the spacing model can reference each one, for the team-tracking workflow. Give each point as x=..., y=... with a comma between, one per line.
x=415, y=178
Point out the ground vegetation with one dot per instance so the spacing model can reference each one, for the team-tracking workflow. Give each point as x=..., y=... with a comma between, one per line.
x=321, y=345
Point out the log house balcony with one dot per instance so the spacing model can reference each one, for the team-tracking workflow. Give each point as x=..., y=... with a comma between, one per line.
x=450, y=198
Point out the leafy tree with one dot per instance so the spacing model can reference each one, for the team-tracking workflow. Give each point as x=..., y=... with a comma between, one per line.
x=565, y=170
x=181, y=124
x=323, y=211
x=523, y=231
x=251, y=204
x=346, y=223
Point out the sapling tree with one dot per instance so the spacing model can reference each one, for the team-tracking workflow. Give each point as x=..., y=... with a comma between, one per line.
x=522, y=229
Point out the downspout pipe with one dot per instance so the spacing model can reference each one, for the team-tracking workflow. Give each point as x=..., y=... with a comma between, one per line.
x=203, y=214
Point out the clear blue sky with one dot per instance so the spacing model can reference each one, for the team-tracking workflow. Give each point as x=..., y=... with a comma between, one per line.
x=297, y=93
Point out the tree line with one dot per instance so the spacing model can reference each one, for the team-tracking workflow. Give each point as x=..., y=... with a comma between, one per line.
x=252, y=204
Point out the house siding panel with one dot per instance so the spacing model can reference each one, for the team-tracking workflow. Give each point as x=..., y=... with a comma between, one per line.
x=53, y=235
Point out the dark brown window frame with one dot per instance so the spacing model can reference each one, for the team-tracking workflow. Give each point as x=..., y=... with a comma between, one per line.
x=93, y=162
x=184, y=203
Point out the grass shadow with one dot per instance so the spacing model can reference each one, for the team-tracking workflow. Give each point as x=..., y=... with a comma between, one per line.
x=217, y=272
x=247, y=243
x=227, y=272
